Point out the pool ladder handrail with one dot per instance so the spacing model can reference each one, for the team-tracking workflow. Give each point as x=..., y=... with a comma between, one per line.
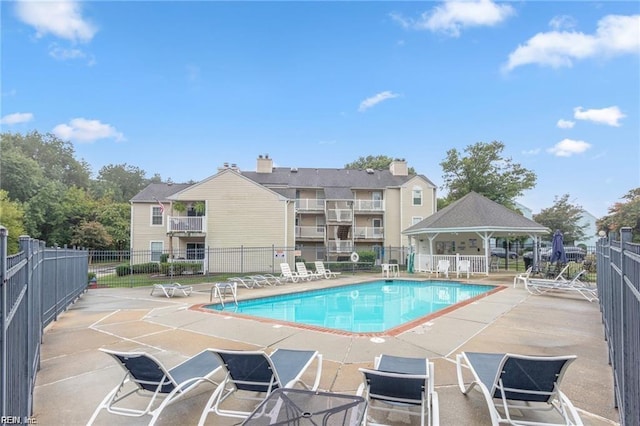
x=219, y=290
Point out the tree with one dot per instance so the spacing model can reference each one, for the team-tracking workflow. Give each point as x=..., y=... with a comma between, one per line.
x=91, y=235
x=21, y=175
x=55, y=157
x=121, y=180
x=624, y=214
x=563, y=216
x=377, y=162
x=12, y=218
x=116, y=219
x=485, y=171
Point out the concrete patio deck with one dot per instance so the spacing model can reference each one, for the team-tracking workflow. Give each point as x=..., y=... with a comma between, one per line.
x=75, y=376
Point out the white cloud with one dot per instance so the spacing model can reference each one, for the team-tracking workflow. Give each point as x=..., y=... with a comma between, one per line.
x=63, y=54
x=376, y=99
x=62, y=19
x=562, y=22
x=83, y=130
x=531, y=152
x=452, y=16
x=16, y=118
x=616, y=35
x=569, y=147
x=565, y=124
x=609, y=116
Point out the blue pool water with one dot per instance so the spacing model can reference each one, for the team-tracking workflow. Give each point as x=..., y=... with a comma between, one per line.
x=370, y=307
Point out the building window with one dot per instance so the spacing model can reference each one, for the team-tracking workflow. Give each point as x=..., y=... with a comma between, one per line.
x=417, y=196
x=195, y=251
x=156, y=250
x=156, y=215
x=320, y=224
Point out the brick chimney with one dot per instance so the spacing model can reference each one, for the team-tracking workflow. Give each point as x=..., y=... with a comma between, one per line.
x=398, y=167
x=265, y=164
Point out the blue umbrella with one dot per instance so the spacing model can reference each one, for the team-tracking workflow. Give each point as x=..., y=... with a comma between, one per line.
x=557, y=248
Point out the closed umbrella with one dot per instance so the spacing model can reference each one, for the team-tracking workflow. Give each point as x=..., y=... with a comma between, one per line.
x=557, y=248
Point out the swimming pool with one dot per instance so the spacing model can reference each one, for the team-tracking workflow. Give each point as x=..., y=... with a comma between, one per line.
x=372, y=307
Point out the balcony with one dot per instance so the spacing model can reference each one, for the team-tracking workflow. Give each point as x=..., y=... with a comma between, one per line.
x=186, y=225
x=309, y=204
x=310, y=232
x=365, y=206
x=340, y=215
x=340, y=246
x=368, y=233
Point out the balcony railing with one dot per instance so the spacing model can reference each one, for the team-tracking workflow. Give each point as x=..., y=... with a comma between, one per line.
x=340, y=246
x=309, y=204
x=369, y=205
x=340, y=215
x=368, y=232
x=310, y=232
x=187, y=224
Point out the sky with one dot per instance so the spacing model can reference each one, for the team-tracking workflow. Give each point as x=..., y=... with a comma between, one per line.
x=178, y=88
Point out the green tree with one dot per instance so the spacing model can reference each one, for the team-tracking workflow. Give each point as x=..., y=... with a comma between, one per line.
x=121, y=180
x=45, y=214
x=12, y=218
x=485, y=171
x=91, y=235
x=55, y=157
x=624, y=214
x=376, y=162
x=21, y=175
x=116, y=219
x=563, y=216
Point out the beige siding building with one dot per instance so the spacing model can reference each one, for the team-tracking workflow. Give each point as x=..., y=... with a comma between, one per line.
x=325, y=214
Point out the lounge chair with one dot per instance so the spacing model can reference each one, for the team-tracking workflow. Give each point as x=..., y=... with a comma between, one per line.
x=253, y=375
x=539, y=286
x=399, y=383
x=463, y=267
x=304, y=274
x=443, y=268
x=287, y=274
x=524, y=277
x=515, y=384
x=146, y=376
x=269, y=279
x=321, y=270
x=169, y=290
x=246, y=281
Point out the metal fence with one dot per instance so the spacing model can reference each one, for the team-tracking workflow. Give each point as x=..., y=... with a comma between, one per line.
x=36, y=285
x=619, y=294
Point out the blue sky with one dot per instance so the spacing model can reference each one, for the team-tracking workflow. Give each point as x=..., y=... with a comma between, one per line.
x=179, y=88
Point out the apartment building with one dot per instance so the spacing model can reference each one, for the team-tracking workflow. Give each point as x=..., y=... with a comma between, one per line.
x=324, y=213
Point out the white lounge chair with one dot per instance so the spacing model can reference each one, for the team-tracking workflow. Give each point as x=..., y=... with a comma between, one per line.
x=443, y=268
x=288, y=274
x=398, y=383
x=169, y=290
x=524, y=277
x=513, y=385
x=253, y=375
x=539, y=286
x=304, y=274
x=246, y=281
x=463, y=267
x=146, y=376
x=321, y=270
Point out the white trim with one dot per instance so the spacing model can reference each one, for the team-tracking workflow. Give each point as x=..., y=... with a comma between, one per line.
x=152, y=216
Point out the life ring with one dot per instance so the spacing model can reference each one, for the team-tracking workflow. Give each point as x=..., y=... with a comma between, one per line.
x=355, y=294
x=355, y=257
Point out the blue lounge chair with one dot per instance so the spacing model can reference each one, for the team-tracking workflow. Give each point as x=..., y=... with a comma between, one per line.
x=146, y=376
x=522, y=383
x=253, y=375
x=398, y=383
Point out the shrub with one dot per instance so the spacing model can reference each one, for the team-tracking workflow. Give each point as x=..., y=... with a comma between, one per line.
x=164, y=257
x=91, y=276
x=367, y=256
x=140, y=268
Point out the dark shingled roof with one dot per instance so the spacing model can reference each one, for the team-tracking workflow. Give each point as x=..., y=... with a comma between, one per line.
x=337, y=183
x=159, y=191
x=329, y=178
x=475, y=212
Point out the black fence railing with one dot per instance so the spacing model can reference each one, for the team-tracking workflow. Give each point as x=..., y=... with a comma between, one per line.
x=619, y=294
x=36, y=285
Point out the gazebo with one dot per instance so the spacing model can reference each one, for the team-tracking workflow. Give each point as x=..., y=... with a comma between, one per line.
x=463, y=229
